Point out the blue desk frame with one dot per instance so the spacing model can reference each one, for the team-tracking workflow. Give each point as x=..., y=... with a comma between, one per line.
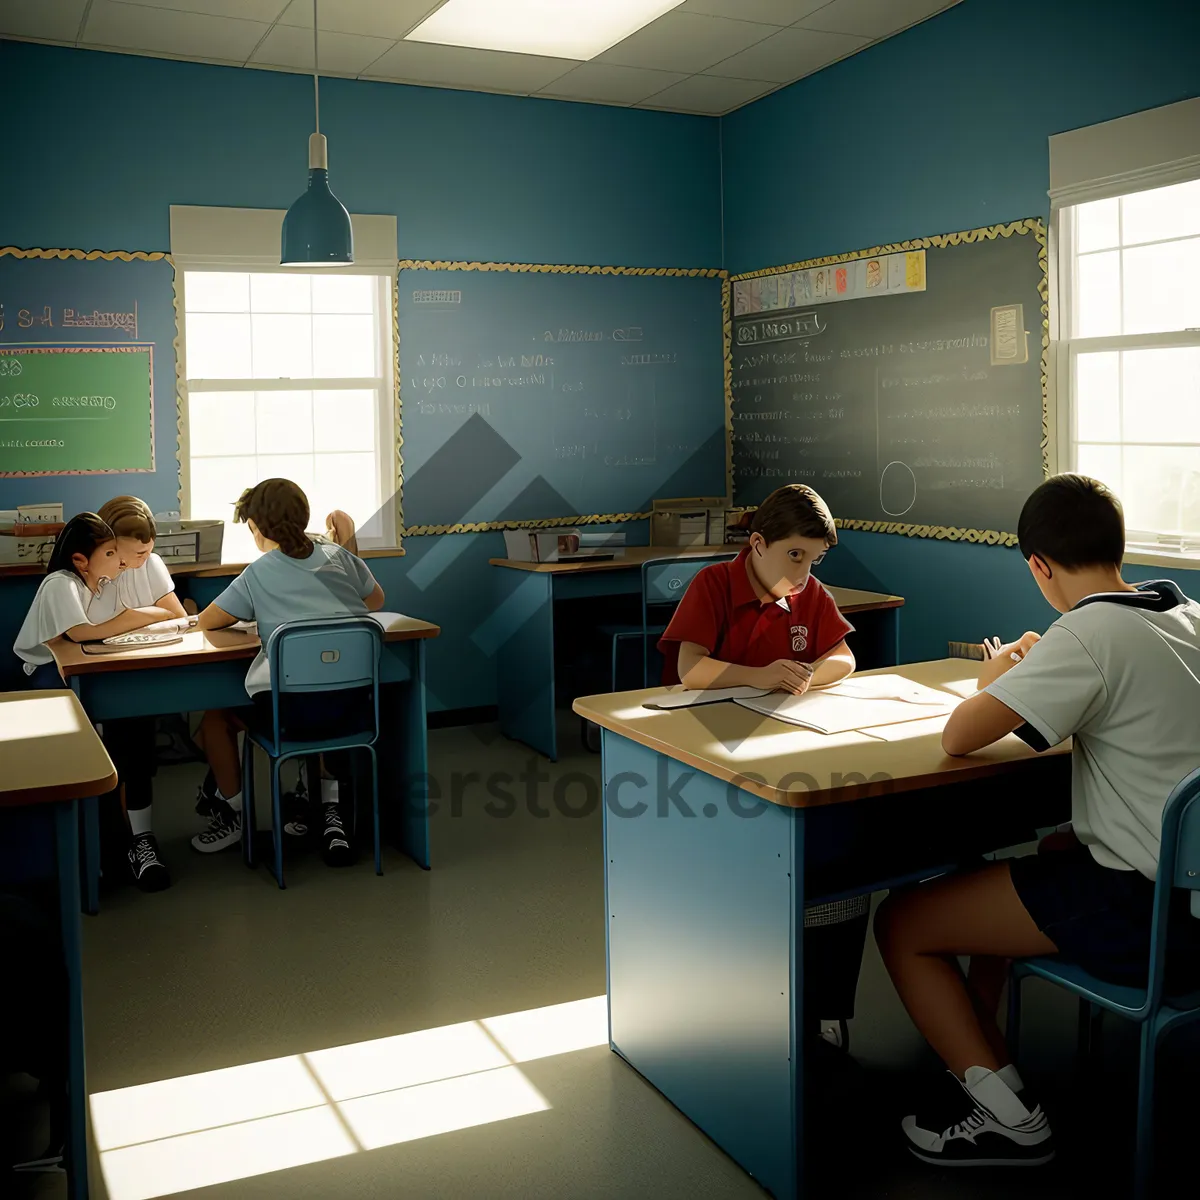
x=524, y=617
x=705, y=943
x=149, y=690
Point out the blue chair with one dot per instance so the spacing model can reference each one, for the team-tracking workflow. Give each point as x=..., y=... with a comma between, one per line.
x=664, y=581
x=1153, y=1007
x=323, y=655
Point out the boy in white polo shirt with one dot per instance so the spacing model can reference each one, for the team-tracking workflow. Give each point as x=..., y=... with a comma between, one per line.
x=1119, y=672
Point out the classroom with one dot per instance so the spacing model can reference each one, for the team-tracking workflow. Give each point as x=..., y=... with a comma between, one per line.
x=628, y=629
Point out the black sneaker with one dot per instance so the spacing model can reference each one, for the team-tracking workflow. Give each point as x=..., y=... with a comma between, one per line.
x=149, y=871
x=297, y=812
x=336, y=848
x=971, y=1134
x=206, y=796
x=224, y=829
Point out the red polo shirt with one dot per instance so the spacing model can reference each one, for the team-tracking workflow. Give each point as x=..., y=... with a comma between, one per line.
x=721, y=612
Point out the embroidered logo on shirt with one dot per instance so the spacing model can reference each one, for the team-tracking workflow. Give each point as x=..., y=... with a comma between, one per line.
x=799, y=638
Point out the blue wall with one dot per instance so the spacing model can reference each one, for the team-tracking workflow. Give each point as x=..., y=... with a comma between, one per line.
x=111, y=141
x=940, y=129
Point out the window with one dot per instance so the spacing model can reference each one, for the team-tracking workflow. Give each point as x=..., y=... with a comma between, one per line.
x=1129, y=355
x=289, y=375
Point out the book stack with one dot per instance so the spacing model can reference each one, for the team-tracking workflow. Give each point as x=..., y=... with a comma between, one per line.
x=27, y=534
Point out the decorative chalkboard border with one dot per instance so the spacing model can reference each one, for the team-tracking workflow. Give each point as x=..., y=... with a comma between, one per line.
x=409, y=264
x=1034, y=225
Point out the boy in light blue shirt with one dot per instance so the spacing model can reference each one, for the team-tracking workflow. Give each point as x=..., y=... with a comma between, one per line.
x=296, y=579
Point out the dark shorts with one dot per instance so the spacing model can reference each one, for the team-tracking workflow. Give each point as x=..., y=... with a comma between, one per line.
x=1100, y=918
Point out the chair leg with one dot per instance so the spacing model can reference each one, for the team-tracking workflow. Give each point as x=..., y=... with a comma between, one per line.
x=249, y=822
x=277, y=821
x=1012, y=1027
x=375, y=810
x=1143, y=1155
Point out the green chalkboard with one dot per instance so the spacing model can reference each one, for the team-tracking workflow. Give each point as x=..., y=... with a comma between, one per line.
x=75, y=410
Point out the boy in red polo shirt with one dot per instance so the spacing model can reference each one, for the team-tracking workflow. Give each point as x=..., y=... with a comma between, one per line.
x=763, y=621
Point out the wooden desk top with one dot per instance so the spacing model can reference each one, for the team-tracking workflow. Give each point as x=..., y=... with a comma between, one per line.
x=799, y=768
x=212, y=646
x=849, y=600
x=50, y=750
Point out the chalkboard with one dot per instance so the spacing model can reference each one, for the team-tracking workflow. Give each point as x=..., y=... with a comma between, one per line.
x=544, y=394
x=907, y=388
x=85, y=356
x=78, y=409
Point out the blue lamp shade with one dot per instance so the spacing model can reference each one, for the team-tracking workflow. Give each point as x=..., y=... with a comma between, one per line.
x=317, y=230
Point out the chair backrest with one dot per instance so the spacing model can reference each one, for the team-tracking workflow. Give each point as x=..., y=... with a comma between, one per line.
x=325, y=654
x=1178, y=867
x=664, y=581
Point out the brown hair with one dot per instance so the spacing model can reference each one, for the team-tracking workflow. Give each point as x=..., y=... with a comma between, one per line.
x=129, y=517
x=794, y=510
x=279, y=510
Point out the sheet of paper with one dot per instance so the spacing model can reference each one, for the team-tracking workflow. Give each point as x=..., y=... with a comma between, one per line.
x=689, y=698
x=861, y=702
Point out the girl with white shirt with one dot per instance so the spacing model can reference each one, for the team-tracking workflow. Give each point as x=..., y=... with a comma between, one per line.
x=79, y=600
x=144, y=580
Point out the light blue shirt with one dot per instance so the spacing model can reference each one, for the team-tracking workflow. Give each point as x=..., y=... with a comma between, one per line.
x=331, y=582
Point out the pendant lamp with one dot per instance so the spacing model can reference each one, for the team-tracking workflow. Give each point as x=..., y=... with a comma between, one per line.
x=316, y=230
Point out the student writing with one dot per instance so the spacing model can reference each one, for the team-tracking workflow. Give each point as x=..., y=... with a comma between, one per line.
x=762, y=620
x=296, y=578
x=1119, y=672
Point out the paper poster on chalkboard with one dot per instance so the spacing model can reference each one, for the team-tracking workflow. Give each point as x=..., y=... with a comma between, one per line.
x=82, y=338
x=538, y=395
x=915, y=405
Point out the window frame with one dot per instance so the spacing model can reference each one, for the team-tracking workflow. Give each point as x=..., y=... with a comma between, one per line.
x=1144, y=546
x=386, y=386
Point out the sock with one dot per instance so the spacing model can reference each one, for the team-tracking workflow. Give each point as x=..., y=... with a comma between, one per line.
x=989, y=1091
x=1010, y=1076
x=234, y=801
x=139, y=820
x=329, y=791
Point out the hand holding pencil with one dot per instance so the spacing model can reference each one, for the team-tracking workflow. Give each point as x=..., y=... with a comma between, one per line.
x=999, y=657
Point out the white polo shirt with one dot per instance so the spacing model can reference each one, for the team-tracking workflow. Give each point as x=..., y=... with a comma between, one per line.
x=144, y=586
x=63, y=601
x=1124, y=681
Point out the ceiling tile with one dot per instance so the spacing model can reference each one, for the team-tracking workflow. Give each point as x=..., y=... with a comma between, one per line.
x=56, y=19
x=769, y=12
x=708, y=94
x=249, y=10
x=458, y=66
x=371, y=18
x=873, y=18
x=340, y=53
x=165, y=31
x=788, y=55
x=685, y=42
x=610, y=84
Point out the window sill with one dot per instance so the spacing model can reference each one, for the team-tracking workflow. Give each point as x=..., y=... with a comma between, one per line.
x=1147, y=556
x=214, y=570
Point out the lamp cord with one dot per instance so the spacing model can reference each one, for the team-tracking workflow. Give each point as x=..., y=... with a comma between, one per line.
x=316, y=85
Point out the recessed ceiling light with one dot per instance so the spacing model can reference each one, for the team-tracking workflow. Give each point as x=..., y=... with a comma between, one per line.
x=555, y=28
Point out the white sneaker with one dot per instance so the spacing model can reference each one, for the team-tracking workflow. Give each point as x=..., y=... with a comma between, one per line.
x=224, y=829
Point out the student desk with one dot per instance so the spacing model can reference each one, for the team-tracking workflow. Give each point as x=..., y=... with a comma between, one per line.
x=53, y=756
x=719, y=825
x=525, y=614
x=208, y=670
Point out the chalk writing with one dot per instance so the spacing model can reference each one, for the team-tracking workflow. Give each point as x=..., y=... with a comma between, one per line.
x=107, y=402
x=647, y=360
x=966, y=375
x=573, y=335
x=127, y=322
x=465, y=410
x=436, y=296
x=630, y=460
x=802, y=325
x=990, y=463
x=974, y=341
x=19, y=400
x=778, y=359
x=956, y=411
x=10, y=368
x=26, y=319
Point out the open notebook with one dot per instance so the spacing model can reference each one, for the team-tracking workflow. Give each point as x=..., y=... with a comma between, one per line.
x=860, y=702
